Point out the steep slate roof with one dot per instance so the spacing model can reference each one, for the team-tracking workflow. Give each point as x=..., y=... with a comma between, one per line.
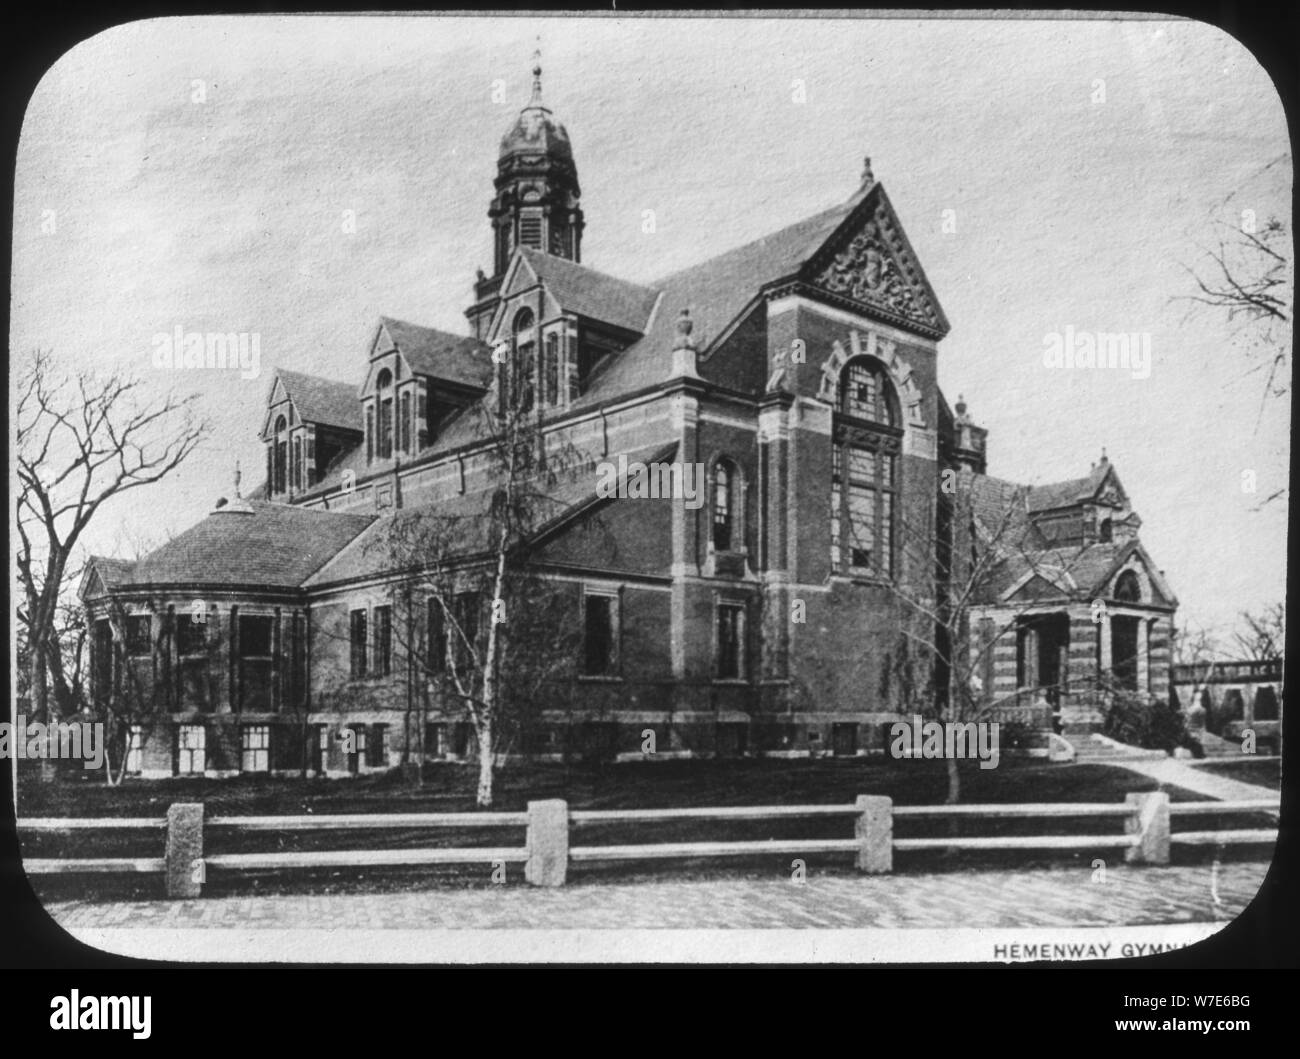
x=593, y=294
x=322, y=401
x=440, y=354
x=277, y=546
x=461, y=523
x=112, y=572
x=715, y=291
x=1063, y=494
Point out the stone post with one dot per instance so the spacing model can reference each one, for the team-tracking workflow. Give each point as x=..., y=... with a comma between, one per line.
x=1150, y=822
x=548, y=842
x=874, y=830
x=183, y=859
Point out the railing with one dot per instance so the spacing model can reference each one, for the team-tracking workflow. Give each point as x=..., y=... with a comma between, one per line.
x=547, y=853
x=1255, y=672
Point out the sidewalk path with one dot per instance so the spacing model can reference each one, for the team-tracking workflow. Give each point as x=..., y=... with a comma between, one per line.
x=1058, y=897
x=1178, y=773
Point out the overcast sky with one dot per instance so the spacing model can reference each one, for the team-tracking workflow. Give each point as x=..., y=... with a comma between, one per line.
x=199, y=171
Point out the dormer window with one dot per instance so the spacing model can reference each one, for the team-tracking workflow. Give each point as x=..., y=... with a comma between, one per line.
x=384, y=396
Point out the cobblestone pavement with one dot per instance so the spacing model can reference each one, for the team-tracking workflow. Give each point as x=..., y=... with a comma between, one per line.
x=1206, y=893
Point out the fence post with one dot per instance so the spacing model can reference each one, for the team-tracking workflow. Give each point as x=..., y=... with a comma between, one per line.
x=874, y=830
x=184, y=856
x=1150, y=822
x=548, y=842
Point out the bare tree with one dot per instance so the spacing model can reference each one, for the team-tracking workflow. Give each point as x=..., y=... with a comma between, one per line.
x=82, y=438
x=472, y=614
x=1264, y=637
x=954, y=558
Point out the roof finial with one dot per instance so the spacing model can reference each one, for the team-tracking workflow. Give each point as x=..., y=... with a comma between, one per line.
x=237, y=496
x=536, y=101
x=868, y=177
x=1103, y=455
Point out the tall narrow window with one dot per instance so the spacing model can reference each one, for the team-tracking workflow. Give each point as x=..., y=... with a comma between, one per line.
x=864, y=471
x=357, y=637
x=383, y=641
x=524, y=354
x=465, y=635
x=600, y=635
x=730, y=641
x=435, y=654
x=726, y=506
x=281, y=454
x=135, y=749
x=552, y=370
x=406, y=422
x=296, y=476
x=139, y=636
x=370, y=434
x=384, y=393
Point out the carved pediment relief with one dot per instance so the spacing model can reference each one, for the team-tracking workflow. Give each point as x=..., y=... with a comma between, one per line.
x=875, y=267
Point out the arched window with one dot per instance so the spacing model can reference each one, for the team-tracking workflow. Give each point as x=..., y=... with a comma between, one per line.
x=281, y=453
x=1128, y=589
x=384, y=394
x=864, y=471
x=1104, y=531
x=525, y=352
x=727, y=534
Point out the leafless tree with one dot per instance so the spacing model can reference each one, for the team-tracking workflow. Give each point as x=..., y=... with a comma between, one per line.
x=953, y=558
x=82, y=438
x=1264, y=637
x=504, y=637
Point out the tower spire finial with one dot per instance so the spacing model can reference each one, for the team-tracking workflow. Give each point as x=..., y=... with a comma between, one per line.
x=536, y=101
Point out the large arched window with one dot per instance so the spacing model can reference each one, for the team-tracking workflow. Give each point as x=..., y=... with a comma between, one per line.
x=864, y=471
x=384, y=397
x=727, y=532
x=281, y=444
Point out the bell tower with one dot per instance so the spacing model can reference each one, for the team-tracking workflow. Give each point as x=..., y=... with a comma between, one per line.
x=537, y=197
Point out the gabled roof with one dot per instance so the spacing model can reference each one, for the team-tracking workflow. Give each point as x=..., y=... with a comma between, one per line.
x=274, y=546
x=1075, y=491
x=439, y=354
x=322, y=401
x=593, y=294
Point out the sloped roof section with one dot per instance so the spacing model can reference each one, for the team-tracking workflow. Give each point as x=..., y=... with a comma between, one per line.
x=457, y=527
x=716, y=291
x=1064, y=494
x=322, y=401
x=441, y=355
x=593, y=294
x=276, y=546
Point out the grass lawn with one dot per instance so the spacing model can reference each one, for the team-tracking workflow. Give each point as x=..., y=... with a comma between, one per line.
x=450, y=788
x=1266, y=772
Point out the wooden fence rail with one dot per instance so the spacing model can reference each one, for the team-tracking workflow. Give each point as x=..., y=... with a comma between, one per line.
x=548, y=825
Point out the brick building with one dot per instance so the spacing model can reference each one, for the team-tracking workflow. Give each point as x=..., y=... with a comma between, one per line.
x=799, y=371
